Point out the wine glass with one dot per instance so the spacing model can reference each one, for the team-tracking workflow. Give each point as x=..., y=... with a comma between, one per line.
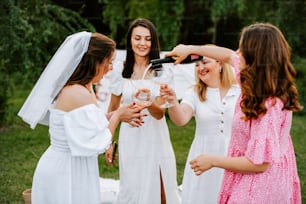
x=163, y=76
x=142, y=96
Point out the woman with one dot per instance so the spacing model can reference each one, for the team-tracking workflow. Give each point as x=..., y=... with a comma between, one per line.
x=146, y=158
x=63, y=96
x=211, y=101
x=260, y=166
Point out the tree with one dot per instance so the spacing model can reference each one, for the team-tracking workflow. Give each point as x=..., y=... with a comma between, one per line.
x=166, y=15
x=31, y=32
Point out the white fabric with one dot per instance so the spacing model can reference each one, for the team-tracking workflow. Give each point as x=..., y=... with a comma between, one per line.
x=213, y=130
x=109, y=189
x=184, y=78
x=103, y=92
x=53, y=78
x=61, y=178
x=144, y=152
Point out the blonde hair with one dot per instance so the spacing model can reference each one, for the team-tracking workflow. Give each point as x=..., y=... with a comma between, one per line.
x=227, y=78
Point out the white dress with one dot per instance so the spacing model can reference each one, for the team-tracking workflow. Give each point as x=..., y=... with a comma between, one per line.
x=144, y=154
x=67, y=172
x=212, y=135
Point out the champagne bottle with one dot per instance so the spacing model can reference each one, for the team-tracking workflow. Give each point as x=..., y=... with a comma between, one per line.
x=189, y=59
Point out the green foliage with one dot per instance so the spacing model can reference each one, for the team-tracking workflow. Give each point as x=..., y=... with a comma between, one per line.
x=31, y=31
x=221, y=9
x=118, y=15
x=167, y=17
x=3, y=94
x=300, y=64
x=114, y=16
x=287, y=15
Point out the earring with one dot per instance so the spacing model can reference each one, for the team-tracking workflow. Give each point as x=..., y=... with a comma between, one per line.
x=220, y=69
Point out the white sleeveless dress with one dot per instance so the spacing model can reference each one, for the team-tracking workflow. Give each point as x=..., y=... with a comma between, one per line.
x=144, y=154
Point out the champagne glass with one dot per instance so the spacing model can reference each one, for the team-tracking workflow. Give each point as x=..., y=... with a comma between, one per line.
x=163, y=76
x=142, y=96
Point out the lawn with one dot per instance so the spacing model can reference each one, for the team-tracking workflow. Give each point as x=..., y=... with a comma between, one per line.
x=21, y=147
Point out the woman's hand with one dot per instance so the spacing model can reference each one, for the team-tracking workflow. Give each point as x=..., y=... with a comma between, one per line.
x=109, y=155
x=202, y=163
x=131, y=114
x=167, y=94
x=180, y=52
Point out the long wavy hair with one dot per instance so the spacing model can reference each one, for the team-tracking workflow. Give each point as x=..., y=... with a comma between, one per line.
x=227, y=78
x=268, y=72
x=155, y=47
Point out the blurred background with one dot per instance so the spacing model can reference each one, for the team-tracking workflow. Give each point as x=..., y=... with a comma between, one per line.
x=32, y=30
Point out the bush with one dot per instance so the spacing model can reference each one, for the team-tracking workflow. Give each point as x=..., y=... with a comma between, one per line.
x=31, y=32
x=300, y=81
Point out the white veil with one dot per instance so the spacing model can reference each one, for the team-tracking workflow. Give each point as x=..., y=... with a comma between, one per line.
x=54, y=77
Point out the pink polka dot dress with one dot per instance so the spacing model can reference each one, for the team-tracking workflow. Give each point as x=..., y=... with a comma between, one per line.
x=264, y=140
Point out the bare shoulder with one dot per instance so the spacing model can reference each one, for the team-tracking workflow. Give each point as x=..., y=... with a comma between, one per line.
x=72, y=97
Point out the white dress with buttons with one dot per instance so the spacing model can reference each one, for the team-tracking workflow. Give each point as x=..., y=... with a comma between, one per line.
x=213, y=130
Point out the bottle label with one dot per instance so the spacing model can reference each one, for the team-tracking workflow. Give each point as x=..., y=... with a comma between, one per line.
x=193, y=57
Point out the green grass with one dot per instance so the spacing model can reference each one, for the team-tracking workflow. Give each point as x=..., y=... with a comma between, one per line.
x=21, y=147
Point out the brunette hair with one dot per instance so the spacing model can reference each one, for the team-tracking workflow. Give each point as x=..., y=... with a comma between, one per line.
x=100, y=48
x=268, y=72
x=155, y=48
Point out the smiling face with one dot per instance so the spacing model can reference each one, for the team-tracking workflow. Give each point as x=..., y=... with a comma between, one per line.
x=141, y=41
x=208, y=71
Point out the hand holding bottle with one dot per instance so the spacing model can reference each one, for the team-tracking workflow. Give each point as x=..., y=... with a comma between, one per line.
x=169, y=58
x=182, y=52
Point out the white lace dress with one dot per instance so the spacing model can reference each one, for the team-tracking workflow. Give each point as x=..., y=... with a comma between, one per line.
x=67, y=172
x=144, y=154
x=213, y=132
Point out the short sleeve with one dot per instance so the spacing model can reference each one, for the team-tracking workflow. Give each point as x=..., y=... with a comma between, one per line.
x=264, y=144
x=189, y=98
x=87, y=131
x=116, y=81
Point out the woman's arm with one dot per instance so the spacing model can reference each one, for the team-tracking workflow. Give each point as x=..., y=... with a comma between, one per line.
x=156, y=111
x=114, y=103
x=205, y=162
x=180, y=114
x=221, y=54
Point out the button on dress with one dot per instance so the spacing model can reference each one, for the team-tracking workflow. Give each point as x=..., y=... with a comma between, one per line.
x=212, y=135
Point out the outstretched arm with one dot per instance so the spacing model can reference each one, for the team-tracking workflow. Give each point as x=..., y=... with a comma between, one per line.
x=222, y=54
x=205, y=162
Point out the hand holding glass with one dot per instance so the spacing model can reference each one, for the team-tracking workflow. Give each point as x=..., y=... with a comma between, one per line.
x=142, y=96
x=163, y=76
